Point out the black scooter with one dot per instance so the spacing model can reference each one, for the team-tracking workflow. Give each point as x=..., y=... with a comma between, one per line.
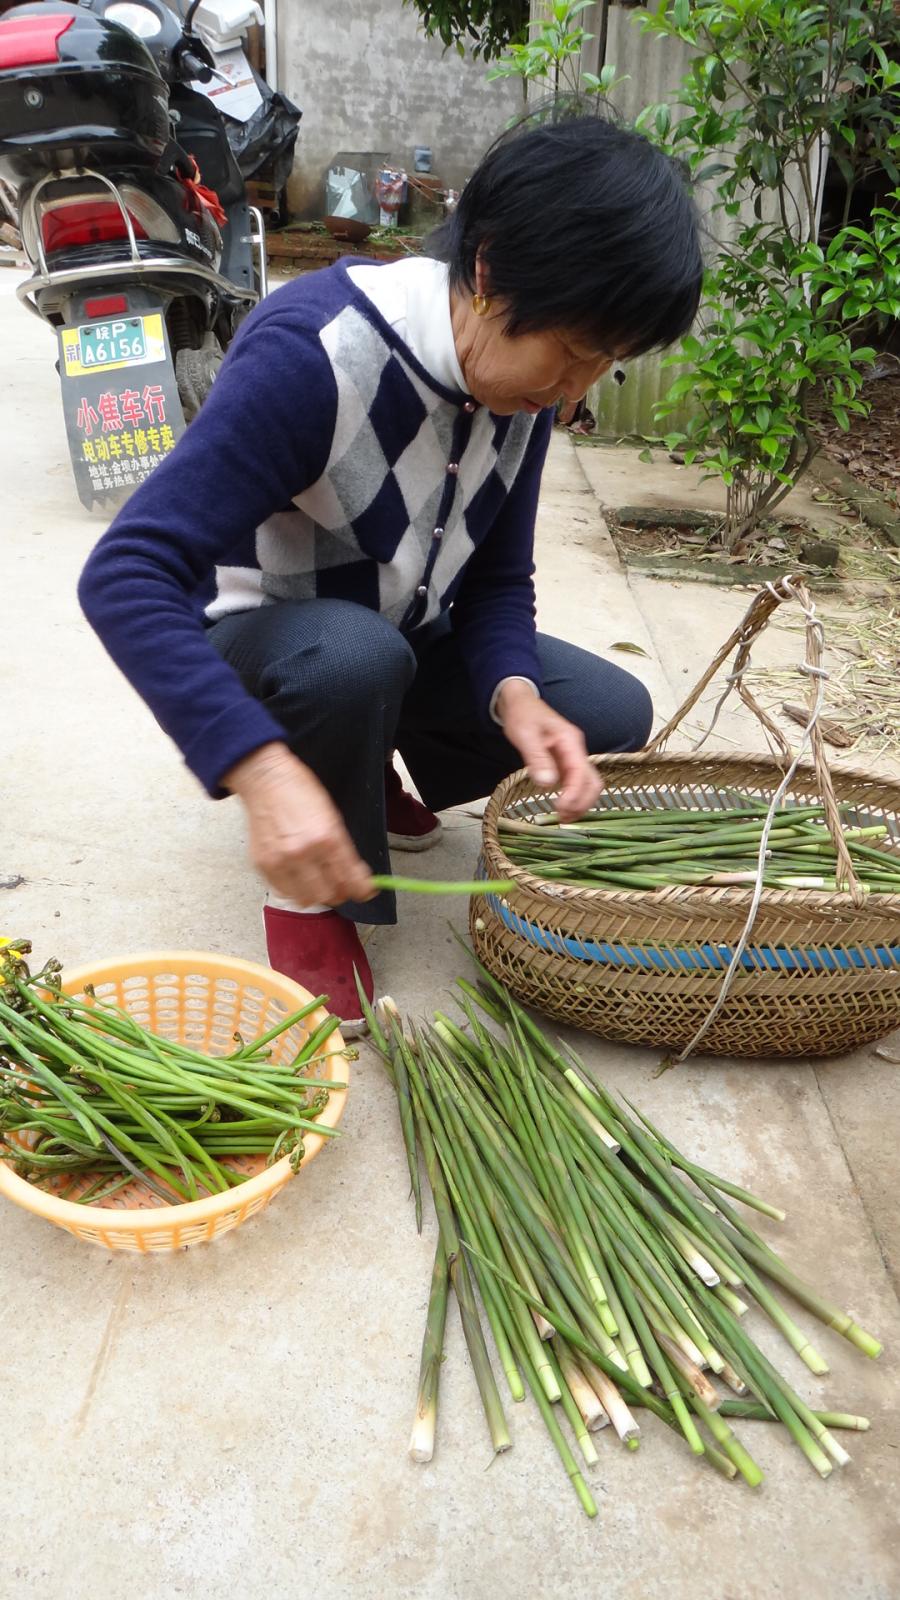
x=133, y=214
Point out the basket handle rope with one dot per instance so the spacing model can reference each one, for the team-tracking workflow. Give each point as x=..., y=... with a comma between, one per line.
x=741, y=641
x=755, y=619
x=752, y=624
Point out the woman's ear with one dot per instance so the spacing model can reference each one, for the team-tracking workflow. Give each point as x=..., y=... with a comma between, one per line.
x=482, y=277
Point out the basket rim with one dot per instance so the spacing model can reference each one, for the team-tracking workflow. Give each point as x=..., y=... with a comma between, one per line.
x=136, y=1220
x=519, y=786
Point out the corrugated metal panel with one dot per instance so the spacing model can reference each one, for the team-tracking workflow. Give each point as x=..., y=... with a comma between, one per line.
x=654, y=68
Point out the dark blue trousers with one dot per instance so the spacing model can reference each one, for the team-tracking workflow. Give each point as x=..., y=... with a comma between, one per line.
x=349, y=689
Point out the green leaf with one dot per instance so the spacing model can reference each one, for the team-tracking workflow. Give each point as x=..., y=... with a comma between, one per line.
x=681, y=387
x=628, y=647
x=608, y=79
x=711, y=169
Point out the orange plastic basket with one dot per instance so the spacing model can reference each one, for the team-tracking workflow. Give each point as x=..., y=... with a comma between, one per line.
x=201, y=1000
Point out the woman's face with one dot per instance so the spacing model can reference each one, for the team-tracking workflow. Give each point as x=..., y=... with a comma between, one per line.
x=524, y=371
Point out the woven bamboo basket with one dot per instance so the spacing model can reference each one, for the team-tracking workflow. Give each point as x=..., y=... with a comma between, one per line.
x=820, y=973
x=200, y=1000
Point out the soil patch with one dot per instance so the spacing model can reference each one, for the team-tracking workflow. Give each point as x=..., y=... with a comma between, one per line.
x=870, y=451
x=688, y=543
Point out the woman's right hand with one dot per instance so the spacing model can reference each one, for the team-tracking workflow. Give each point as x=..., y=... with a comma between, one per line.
x=298, y=840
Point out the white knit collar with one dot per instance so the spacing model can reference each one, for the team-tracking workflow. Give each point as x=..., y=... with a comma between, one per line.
x=413, y=296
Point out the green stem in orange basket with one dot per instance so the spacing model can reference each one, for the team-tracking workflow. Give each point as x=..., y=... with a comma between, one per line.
x=82, y=1083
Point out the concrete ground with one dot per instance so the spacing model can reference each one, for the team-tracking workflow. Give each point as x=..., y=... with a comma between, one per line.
x=233, y=1420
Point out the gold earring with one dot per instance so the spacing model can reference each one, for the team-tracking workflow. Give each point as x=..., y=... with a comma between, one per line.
x=481, y=305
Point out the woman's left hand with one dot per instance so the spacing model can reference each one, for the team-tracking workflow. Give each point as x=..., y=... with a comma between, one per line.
x=552, y=749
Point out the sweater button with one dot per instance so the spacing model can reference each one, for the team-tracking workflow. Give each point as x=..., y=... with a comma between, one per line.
x=453, y=468
x=469, y=406
x=422, y=591
x=438, y=533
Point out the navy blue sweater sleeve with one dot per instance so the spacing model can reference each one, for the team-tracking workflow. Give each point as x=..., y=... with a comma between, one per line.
x=263, y=435
x=494, y=610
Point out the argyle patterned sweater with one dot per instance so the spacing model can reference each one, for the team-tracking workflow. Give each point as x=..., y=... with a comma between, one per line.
x=325, y=462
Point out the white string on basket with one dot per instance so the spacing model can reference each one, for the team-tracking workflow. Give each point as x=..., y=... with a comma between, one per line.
x=819, y=676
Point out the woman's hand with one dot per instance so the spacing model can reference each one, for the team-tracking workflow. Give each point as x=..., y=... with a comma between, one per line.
x=552, y=749
x=298, y=840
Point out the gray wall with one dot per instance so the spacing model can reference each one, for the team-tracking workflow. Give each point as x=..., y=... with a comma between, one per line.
x=366, y=79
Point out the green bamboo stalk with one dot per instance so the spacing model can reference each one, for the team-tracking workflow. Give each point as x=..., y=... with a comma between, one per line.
x=687, y=1369
x=717, y=1459
x=573, y=1415
x=481, y=1363
x=573, y=1336
x=396, y=885
x=724, y=1272
x=421, y=1444
x=525, y=1200
x=659, y=1364
x=593, y=1413
x=497, y=1234
x=752, y=1411
x=501, y=1006
x=505, y=1229
x=559, y=1441
x=772, y=1393
x=724, y=1436
x=404, y=1103
x=543, y=1403
x=805, y=1413
x=430, y=1129
x=688, y=1247
x=618, y=1288
x=514, y=1111
x=611, y=1400
x=571, y=1215
x=464, y=1175
x=695, y=1170
x=546, y=1409
x=752, y=1246
x=646, y=1262
x=731, y=1300
x=376, y=1032
x=643, y=1152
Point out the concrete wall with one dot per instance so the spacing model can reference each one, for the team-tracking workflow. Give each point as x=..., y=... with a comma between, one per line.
x=367, y=79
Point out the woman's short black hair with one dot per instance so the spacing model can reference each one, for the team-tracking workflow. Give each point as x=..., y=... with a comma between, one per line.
x=583, y=225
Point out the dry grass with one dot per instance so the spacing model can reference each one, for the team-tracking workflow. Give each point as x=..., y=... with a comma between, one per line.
x=863, y=693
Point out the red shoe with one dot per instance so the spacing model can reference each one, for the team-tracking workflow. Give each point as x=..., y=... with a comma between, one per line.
x=320, y=949
x=410, y=825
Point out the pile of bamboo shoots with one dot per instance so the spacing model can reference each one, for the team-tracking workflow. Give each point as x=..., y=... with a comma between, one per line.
x=614, y=1273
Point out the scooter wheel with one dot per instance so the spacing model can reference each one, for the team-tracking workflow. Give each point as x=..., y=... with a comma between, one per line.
x=195, y=372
